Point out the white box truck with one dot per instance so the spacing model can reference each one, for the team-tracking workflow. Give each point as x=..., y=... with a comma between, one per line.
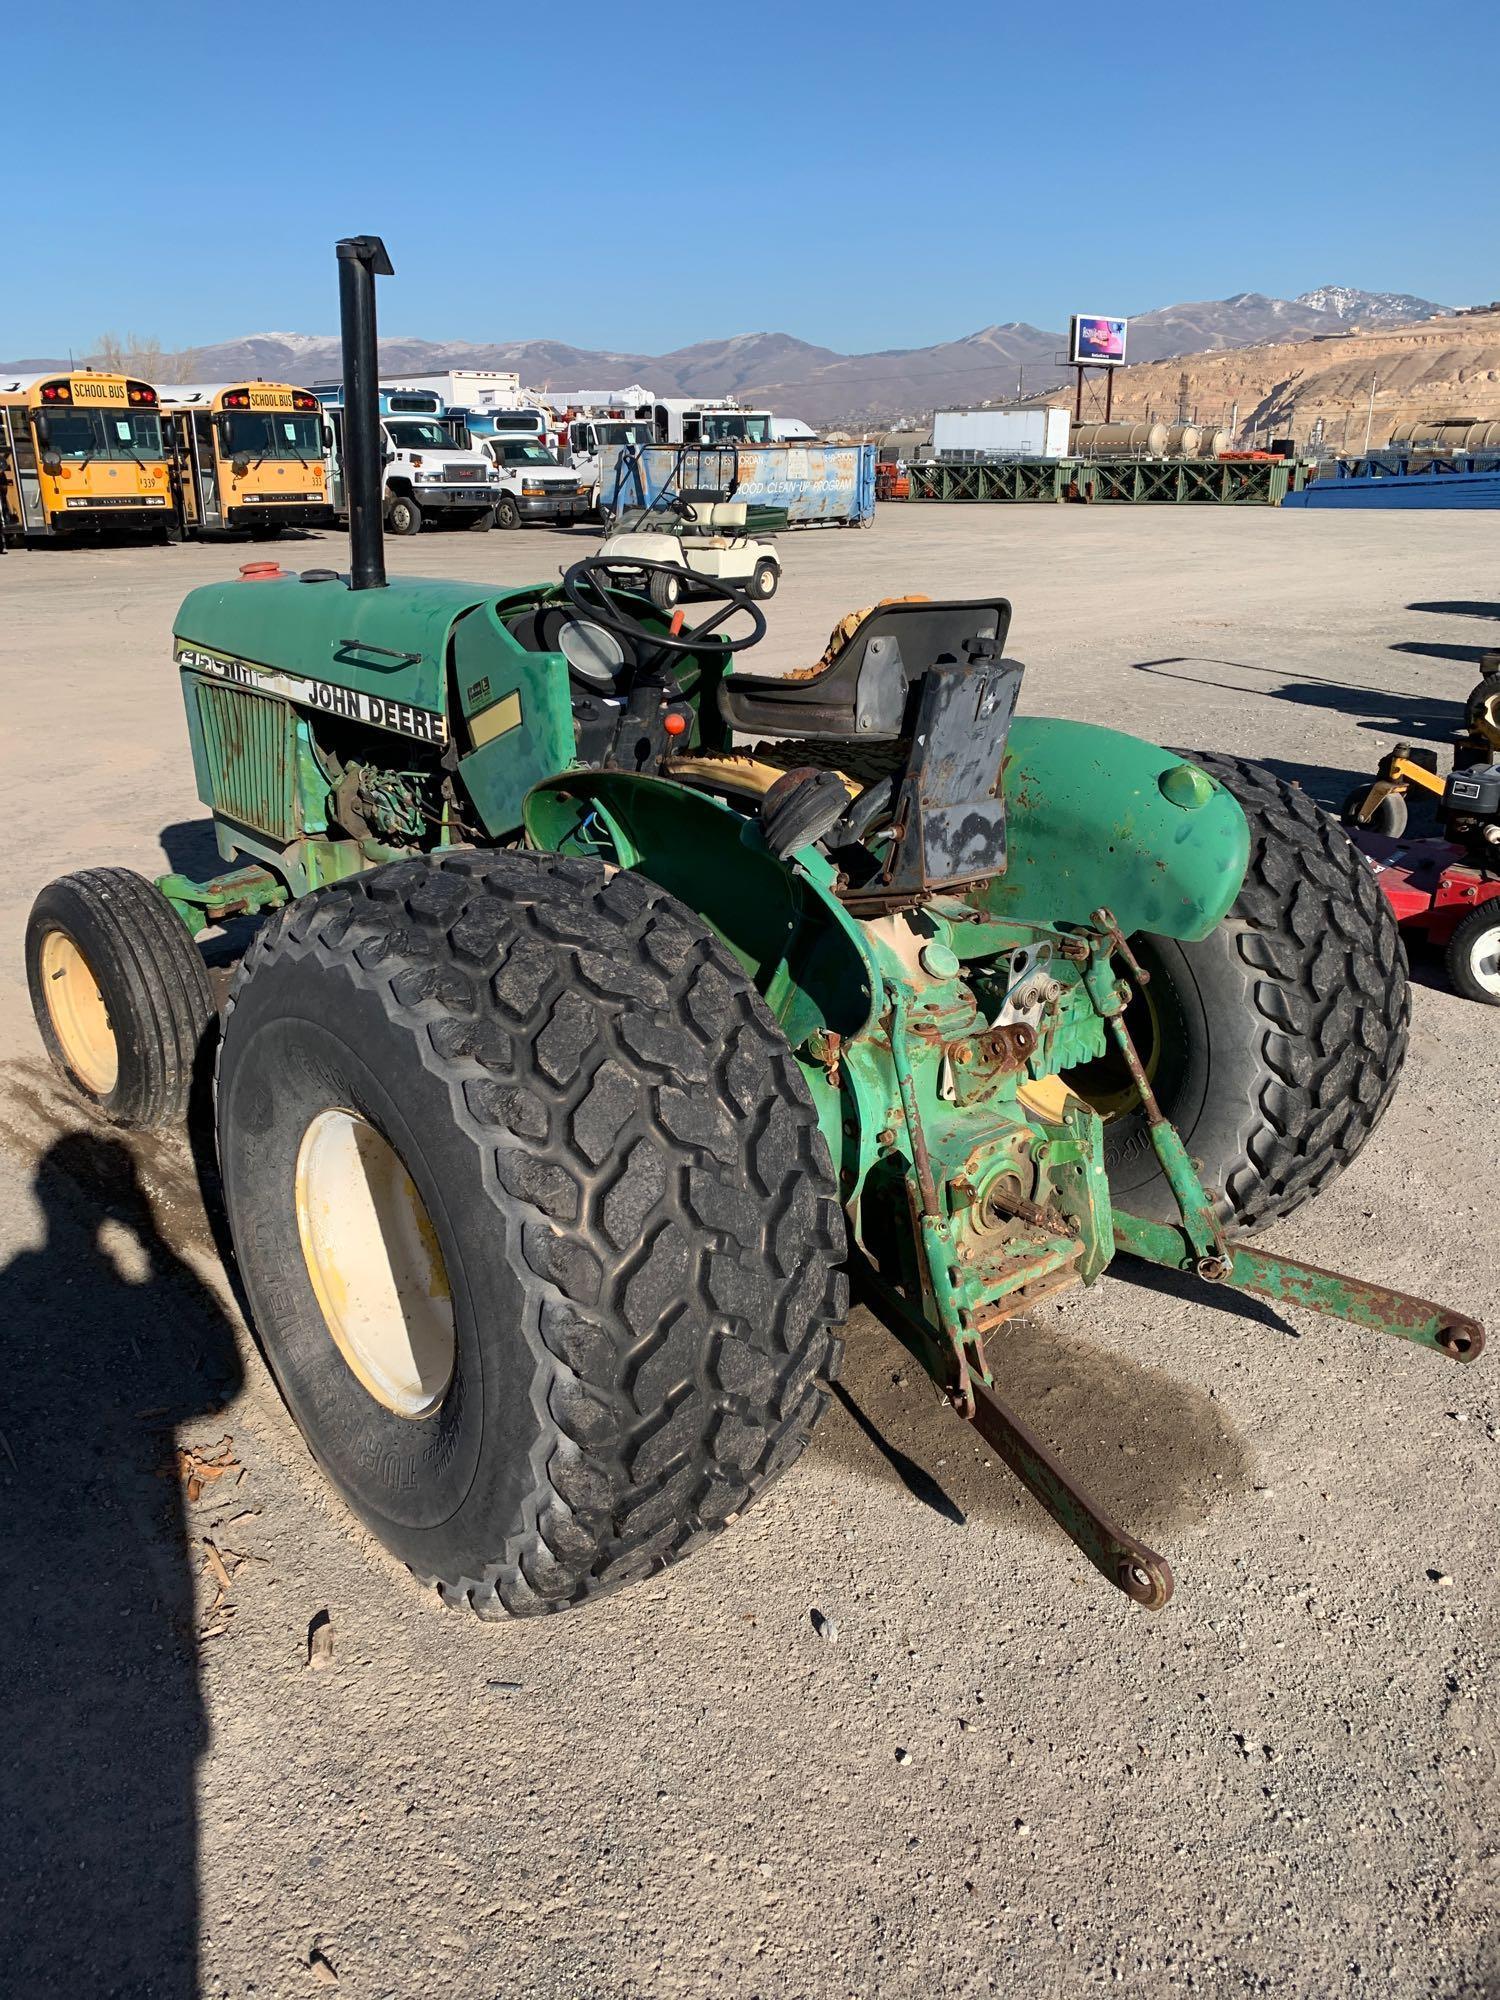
x=972, y=436
x=465, y=388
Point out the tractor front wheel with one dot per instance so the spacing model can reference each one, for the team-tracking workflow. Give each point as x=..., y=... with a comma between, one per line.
x=1275, y=1043
x=537, y=1226
x=121, y=994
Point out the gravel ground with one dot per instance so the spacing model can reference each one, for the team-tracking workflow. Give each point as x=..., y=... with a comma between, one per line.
x=976, y=1770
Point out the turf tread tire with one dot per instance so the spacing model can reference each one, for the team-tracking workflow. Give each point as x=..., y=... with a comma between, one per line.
x=648, y=1150
x=1326, y=976
x=156, y=987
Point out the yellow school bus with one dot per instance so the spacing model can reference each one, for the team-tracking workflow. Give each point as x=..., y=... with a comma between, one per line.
x=247, y=455
x=81, y=452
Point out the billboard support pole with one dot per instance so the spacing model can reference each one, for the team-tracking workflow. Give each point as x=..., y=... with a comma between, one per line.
x=1078, y=400
x=1109, y=393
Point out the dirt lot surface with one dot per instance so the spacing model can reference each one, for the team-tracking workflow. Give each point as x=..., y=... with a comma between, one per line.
x=997, y=1777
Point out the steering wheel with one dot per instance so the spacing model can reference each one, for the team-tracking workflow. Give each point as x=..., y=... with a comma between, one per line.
x=597, y=573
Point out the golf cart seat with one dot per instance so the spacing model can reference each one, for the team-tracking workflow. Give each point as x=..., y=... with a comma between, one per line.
x=861, y=686
x=714, y=513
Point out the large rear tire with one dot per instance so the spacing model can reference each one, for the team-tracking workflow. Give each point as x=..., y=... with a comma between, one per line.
x=1276, y=1042
x=121, y=994
x=539, y=1233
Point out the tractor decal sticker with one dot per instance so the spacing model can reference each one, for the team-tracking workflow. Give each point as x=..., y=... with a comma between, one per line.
x=400, y=717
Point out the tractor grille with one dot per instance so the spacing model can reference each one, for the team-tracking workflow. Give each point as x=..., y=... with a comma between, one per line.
x=248, y=739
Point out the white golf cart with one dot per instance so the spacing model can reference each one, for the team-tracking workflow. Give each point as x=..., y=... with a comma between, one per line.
x=700, y=529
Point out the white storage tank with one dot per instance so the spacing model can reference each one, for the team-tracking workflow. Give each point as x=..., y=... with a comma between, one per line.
x=1119, y=440
x=1184, y=441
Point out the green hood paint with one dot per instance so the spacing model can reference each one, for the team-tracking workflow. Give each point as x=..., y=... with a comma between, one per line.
x=331, y=633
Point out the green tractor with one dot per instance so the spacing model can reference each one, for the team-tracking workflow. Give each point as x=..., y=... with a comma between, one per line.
x=612, y=1007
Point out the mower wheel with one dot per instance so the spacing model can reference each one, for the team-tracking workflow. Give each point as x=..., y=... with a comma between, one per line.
x=766, y=577
x=1472, y=957
x=507, y=513
x=402, y=515
x=1275, y=1042
x=664, y=591
x=1483, y=704
x=535, y=1219
x=1389, y=817
x=121, y=994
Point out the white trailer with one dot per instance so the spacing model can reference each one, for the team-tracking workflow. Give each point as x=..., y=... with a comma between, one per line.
x=466, y=388
x=971, y=436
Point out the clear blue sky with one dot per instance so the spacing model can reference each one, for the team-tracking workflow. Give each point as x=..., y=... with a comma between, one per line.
x=859, y=173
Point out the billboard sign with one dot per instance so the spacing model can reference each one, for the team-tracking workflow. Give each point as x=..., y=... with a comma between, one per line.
x=1096, y=342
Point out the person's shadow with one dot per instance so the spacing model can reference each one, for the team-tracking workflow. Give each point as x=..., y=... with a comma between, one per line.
x=107, y=1341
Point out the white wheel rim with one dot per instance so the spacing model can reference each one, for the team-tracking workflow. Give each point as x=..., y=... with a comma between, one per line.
x=373, y=1258
x=1484, y=959
x=79, y=1017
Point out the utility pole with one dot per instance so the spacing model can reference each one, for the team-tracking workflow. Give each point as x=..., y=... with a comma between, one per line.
x=1370, y=414
x=1021, y=382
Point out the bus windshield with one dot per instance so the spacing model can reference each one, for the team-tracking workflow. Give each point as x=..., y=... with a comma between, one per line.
x=733, y=427
x=269, y=434
x=81, y=434
x=413, y=434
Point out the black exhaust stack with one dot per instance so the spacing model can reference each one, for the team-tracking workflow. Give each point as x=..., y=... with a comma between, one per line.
x=361, y=260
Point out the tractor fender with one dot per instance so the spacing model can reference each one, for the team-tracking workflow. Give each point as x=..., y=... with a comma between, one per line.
x=1096, y=818
x=807, y=956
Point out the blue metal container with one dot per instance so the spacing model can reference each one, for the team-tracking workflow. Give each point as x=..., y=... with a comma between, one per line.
x=1418, y=489
x=795, y=485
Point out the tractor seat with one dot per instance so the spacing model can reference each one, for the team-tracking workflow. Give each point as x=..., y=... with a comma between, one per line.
x=873, y=660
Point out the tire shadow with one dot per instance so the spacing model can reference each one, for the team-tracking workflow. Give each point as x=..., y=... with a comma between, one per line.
x=1155, y=1453
x=111, y=1344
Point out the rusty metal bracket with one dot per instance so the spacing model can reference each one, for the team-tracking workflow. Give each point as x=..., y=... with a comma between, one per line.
x=1290, y=1282
x=1143, y=1575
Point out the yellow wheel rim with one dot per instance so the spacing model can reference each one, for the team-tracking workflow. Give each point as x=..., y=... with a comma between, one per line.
x=373, y=1258
x=80, y=1020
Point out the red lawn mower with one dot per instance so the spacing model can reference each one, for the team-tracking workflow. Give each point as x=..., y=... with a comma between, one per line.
x=1447, y=885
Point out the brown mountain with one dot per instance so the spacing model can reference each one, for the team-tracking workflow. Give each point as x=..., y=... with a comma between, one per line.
x=817, y=383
